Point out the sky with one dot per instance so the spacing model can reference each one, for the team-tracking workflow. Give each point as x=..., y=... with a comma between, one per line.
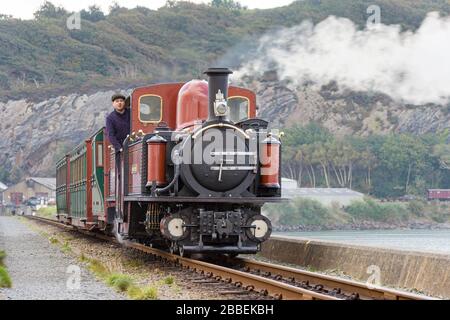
x=24, y=9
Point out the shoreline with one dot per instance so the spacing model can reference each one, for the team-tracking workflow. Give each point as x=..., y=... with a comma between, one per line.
x=364, y=225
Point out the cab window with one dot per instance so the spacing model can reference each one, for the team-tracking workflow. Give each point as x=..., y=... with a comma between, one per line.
x=238, y=108
x=150, y=108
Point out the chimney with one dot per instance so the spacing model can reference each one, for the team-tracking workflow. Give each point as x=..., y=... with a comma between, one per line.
x=218, y=93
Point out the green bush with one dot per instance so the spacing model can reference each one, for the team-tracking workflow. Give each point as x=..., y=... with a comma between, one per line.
x=395, y=211
x=301, y=211
x=2, y=257
x=417, y=207
x=47, y=211
x=372, y=210
x=437, y=212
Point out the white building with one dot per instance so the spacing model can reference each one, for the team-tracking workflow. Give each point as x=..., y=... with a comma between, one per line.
x=3, y=187
x=326, y=196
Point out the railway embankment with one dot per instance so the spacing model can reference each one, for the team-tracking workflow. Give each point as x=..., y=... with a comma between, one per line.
x=426, y=273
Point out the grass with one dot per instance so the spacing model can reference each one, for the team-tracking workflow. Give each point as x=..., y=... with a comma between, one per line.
x=169, y=280
x=53, y=240
x=133, y=263
x=5, y=280
x=66, y=247
x=98, y=268
x=146, y=293
x=120, y=282
x=83, y=258
x=47, y=212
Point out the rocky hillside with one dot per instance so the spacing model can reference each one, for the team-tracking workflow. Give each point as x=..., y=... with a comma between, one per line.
x=35, y=135
x=344, y=113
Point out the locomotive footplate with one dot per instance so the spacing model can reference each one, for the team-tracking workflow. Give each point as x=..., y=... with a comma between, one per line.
x=181, y=199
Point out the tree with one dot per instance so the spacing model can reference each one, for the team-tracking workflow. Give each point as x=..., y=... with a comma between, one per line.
x=94, y=14
x=5, y=16
x=403, y=155
x=171, y=3
x=309, y=134
x=227, y=4
x=48, y=10
x=342, y=158
x=114, y=8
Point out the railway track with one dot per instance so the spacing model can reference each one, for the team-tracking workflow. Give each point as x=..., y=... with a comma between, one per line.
x=279, y=282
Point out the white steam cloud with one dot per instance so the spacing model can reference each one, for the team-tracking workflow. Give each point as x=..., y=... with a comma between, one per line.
x=411, y=67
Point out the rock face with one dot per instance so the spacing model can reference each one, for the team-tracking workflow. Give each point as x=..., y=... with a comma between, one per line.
x=35, y=135
x=343, y=112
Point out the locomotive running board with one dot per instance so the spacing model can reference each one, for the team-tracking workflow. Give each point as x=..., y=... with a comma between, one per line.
x=259, y=200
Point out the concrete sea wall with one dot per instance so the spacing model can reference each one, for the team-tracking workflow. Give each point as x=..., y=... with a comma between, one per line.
x=427, y=273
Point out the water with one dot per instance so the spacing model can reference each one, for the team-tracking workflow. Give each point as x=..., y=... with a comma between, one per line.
x=433, y=241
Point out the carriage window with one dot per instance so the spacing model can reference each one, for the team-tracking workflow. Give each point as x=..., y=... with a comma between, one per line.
x=150, y=108
x=99, y=154
x=238, y=108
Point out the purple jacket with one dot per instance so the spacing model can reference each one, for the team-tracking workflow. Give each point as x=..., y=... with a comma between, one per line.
x=118, y=127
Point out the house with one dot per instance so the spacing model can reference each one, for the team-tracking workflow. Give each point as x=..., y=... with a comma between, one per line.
x=3, y=187
x=44, y=188
x=326, y=196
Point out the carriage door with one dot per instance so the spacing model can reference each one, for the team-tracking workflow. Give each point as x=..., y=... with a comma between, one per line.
x=98, y=177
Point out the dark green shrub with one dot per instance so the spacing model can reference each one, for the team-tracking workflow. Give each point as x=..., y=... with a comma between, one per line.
x=303, y=211
x=372, y=210
x=417, y=207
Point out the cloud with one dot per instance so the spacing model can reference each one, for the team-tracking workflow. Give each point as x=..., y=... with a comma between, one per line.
x=411, y=67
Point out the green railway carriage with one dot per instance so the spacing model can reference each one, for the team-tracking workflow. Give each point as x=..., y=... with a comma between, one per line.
x=80, y=183
x=61, y=186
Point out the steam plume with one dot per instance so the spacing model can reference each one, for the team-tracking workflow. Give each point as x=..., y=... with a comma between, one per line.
x=411, y=67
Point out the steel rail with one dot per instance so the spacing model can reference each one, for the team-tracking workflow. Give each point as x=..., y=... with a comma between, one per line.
x=364, y=290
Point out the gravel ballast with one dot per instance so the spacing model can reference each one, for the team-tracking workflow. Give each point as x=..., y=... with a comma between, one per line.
x=39, y=270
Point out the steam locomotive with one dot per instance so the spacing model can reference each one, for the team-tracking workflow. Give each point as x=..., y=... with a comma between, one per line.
x=194, y=172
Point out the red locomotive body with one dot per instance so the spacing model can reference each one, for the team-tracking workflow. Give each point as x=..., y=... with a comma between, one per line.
x=196, y=169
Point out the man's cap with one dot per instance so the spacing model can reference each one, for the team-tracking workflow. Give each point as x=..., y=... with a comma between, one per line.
x=117, y=96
